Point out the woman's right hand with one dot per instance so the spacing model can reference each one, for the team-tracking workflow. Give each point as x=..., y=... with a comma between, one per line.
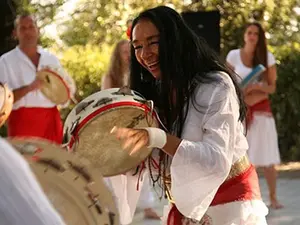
x=36, y=84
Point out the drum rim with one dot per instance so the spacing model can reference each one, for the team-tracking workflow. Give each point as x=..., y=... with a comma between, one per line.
x=101, y=110
x=106, y=109
x=7, y=106
x=4, y=97
x=33, y=156
x=60, y=78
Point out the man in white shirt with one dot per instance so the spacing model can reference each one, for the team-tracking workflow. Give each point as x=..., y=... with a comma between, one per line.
x=22, y=200
x=33, y=114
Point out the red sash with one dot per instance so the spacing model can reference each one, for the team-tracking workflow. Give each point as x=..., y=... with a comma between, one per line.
x=263, y=106
x=36, y=122
x=240, y=188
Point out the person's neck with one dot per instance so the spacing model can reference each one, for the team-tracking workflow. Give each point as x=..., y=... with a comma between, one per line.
x=249, y=49
x=29, y=50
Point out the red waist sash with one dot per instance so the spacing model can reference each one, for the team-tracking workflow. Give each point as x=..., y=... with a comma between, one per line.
x=240, y=188
x=36, y=122
x=262, y=106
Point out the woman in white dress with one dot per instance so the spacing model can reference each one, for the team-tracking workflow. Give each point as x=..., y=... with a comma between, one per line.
x=202, y=162
x=262, y=135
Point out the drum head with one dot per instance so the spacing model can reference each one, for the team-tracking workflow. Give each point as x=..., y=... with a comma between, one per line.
x=2, y=96
x=104, y=150
x=54, y=87
x=6, y=103
x=76, y=191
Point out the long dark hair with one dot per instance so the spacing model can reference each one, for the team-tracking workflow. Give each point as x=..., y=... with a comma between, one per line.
x=261, y=51
x=185, y=62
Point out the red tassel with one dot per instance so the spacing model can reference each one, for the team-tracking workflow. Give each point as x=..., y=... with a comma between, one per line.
x=174, y=217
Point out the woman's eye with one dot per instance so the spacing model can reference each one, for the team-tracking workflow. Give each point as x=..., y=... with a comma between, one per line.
x=154, y=43
x=137, y=47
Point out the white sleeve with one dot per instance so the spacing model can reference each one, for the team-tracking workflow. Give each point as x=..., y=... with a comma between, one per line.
x=271, y=59
x=199, y=168
x=230, y=58
x=3, y=72
x=22, y=200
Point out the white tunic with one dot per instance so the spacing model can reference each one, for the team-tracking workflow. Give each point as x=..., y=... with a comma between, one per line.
x=213, y=140
x=234, y=59
x=17, y=70
x=262, y=134
x=22, y=200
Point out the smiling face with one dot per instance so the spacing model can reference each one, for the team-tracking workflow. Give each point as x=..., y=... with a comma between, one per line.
x=145, y=41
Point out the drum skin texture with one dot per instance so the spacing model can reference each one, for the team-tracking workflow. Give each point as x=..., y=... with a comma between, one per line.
x=6, y=103
x=57, y=85
x=76, y=190
x=87, y=128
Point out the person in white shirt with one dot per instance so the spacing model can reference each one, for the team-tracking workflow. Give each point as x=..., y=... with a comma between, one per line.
x=202, y=163
x=33, y=114
x=262, y=135
x=117, y=77
x=22, y=200
x=117, y=74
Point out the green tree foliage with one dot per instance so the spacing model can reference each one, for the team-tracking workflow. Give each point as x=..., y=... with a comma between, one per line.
x=286, y=101
x=104, y=21
x=44, y=11
x=86, y=64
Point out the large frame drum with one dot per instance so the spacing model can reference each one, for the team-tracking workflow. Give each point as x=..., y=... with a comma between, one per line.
x=87, y=128
x=75, y=189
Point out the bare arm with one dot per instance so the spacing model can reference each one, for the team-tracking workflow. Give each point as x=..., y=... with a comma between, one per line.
x=22, y=91
x=172, y=144
x=106, y=83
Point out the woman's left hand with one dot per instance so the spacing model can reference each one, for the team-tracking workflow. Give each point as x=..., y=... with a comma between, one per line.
x=133, y=139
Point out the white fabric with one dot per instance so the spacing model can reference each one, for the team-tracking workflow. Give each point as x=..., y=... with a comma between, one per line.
x=22, y=200
x=17, y=70
x=147, y=198
x=263, y=146
x=213, y=141
x=262, y=133
x=126, y=195
x=234, y=59
x=157, y=137
x=252, y=213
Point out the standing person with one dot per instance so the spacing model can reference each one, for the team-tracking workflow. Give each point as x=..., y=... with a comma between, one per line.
x=262, y=135
x=33, y=114
x=117, y=77
x=203, y=160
